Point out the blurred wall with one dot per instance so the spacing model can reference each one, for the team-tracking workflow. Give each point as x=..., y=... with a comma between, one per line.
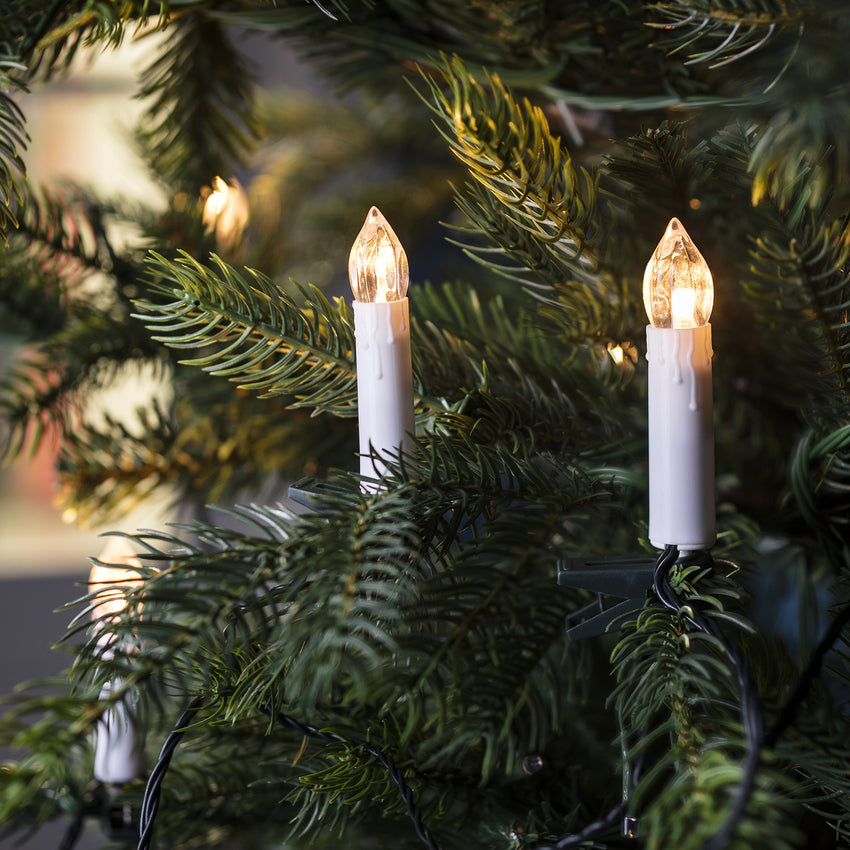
x=80, y=129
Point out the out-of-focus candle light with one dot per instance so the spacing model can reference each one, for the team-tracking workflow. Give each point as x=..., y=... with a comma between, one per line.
x=225, y=213
x=116, y=757
x=112, y=571
x=616, y=353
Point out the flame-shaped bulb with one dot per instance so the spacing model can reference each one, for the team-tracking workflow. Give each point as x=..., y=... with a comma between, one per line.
x=678, y=291
x=377, y=265
x=113, y=571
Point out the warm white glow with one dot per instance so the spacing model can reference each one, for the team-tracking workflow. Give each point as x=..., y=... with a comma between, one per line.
x=678, y=291
x=109, y=581
x=216, y=201
x=616, y=353
x=226, y=213
x=682, y=306
x=377, y=264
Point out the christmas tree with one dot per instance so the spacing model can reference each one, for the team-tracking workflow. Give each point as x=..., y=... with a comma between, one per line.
x=391, y=666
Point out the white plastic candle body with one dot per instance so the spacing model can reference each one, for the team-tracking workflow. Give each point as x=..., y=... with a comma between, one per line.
x=384, y=381
x=116, y=757
x=681, y=438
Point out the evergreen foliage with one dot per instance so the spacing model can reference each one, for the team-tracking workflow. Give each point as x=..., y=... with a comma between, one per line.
x=423, y=620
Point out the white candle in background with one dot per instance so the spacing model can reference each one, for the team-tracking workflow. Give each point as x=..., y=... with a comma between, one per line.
x=678, y=294
x=377, y=268
x=116, y=757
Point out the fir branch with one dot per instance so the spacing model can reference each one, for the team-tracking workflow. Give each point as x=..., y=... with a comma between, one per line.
x=46, y=36
x=799, y=269
x=33, y=303
x=94, y=21
x=798, y=144
x=38, y=40
x=13, y=142
x=199, y=121
x=259, y=338
x=207, y=448
x=352, y=639
x=815, y=751
x=729, y=30
x=45, y=392
x=108, y=471
x=818, y=478
x=526, y=195
x=484, y=357
x=65, y=233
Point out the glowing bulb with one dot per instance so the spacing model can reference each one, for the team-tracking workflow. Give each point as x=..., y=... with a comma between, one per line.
x=225, y=212
x=678, y=291
x=107, y=579
x=377, y=265
x=215, y=201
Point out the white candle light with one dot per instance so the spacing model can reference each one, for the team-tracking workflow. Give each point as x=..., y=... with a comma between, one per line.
x=377, y=268
x=225, y=213
x=678, y=294
x=116, y=757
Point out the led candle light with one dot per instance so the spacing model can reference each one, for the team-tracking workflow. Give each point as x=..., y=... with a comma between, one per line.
x=678, y=294
x=377, y=268
x=116, y=758
x=225, y=213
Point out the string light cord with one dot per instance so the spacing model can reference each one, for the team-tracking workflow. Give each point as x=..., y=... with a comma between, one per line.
x=385, y=760
x=592, y=832
x=750, y=711
x=750, y=707
x=807, y=677
x=74, y=830
x=87, y=804
x=153, y=789
x=150, y=801
x=617, y=820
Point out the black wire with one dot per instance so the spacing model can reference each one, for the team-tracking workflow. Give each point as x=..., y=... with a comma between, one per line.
x=74, y=830
x=750, y=712
x=807, y=677
x=613, y=820
x=386, y=761
x=153, y=789
x=150, y=801
x=750, y=706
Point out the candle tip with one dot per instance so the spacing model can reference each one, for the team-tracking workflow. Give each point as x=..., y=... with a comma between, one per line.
x=377, y=265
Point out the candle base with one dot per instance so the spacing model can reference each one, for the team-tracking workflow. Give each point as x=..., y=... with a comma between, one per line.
x=116, y=757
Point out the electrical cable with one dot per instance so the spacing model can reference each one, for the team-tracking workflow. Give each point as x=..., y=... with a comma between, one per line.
x=750, y=712
x=386, y=761
x=150, y=801
x=807, y=677
x=615, y=820
x=750, y=707
x=74, y=830
x=591, y=832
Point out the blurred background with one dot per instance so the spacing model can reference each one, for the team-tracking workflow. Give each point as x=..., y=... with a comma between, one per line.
x=81, y=129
